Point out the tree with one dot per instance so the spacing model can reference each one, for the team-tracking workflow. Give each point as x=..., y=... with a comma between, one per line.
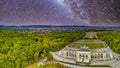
x=36, y=56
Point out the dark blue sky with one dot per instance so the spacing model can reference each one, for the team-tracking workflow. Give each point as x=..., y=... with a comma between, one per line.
x=57, y=12
x=29, y=12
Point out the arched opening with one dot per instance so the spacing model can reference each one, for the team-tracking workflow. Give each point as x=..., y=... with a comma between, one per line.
x=80, y=56
x=67, y=53
x=70, y=54
x=86, y=56
x=101, y=55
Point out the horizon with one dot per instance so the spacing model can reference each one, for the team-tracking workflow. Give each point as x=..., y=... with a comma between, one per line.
x=60, y=25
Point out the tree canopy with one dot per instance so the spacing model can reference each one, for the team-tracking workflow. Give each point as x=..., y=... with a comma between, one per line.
x=19, y=49
x=112, y=39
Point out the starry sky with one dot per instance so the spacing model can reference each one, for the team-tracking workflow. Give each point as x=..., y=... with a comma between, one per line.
x=60, y=12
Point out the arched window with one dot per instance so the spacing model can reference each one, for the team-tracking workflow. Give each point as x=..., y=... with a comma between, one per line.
x=92, y=57
x=73, y=54
x=101, y=55
x=83, y=55
x=80, y=55
x=70, y=54
x=86, y=56
x=67, y=53
x=95, y=56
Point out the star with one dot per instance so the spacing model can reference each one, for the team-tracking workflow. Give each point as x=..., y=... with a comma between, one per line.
x=60, y=12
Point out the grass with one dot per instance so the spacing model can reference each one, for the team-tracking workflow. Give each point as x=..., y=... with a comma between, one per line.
x=89, y=40
x=91, y=46
x=33, y=66
x=53, y=66
x=48, y=66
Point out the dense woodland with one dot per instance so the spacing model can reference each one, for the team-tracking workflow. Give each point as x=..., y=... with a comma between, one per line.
x=112, y=39
x=19, y=49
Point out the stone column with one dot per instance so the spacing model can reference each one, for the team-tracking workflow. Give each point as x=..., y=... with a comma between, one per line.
x=104, y=56
x=89, y=57
x=78, y=57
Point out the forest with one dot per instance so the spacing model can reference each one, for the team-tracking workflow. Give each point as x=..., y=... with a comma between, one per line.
x=112, y=39
x=20, y=49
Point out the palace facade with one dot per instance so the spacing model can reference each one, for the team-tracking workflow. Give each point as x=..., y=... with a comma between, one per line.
x=84, y=54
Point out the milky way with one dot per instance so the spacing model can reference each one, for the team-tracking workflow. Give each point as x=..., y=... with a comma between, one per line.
x=60, y=12
x=97, y=12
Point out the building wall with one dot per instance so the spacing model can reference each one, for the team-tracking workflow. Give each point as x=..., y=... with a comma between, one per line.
x=98, y=56
x=84, y=56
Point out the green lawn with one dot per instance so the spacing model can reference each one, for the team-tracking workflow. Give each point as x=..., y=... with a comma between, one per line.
x=53, y=66
x=91, y=46
x=57, y=65
x=89, y=40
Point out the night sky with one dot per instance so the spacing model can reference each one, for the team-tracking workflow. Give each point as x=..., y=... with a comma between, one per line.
x=60, y=12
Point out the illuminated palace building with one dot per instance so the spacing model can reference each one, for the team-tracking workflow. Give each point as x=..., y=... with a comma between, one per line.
x=84, y=54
